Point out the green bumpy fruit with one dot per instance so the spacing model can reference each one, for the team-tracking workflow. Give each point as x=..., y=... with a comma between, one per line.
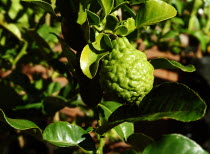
x=126, y=73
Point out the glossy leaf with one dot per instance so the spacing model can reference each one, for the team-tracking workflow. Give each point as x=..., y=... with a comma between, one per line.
x=163, y=63
x=22, y=124
x=93, y=18
x=107, y=5
x=124, y=130
x=168, y=100
x=139, y=141
x=42, y=4
x=89, y=60
x=174, y=144
x=154, y=11
x=63, y=134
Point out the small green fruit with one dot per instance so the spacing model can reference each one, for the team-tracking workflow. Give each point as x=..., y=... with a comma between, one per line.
x=126, y=73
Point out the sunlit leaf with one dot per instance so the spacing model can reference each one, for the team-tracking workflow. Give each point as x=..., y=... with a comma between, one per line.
x=12, y=28
x=89, y=60
x=154, y=11
x=121, y=30
x=126, y=27
x=82, y=14
x=107, y=5
x=194, y=23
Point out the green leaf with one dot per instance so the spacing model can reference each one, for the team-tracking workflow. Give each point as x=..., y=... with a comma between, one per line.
x=93, y=18
x=29, y=106
x=130, y=27
x=125, y=129
x=194, y=23
x=171, y=100
x=111, y=22
x=89, y=60
x=174, y=144
x=103, y=42
x=42, y=4
x=154, y=11
x=121, y=30
x=63, y=134
x=135, y=2
x=168, y=100
x=12, y=28
x=139, y=141
x=108, y=108
x=22, y=124
x=107, y=5
x=52, y=88
x=130, y=11
x=82, y=14
x=14, y=8
x=164, y=63
x=179, y=6
x=203, y=39
x=40, y=41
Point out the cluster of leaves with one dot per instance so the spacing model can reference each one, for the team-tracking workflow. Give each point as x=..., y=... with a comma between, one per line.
x=192, y=23
x=29, y=63
x=100, y=23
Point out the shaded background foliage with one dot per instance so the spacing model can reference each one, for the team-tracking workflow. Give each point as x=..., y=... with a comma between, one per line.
x=35, y=82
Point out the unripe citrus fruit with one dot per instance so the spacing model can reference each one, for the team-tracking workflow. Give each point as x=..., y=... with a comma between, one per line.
x=126, y=73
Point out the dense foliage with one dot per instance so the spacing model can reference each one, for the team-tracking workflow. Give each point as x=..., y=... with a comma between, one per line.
x=59, y=54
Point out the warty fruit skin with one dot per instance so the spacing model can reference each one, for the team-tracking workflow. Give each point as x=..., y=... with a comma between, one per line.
x=126, y=73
